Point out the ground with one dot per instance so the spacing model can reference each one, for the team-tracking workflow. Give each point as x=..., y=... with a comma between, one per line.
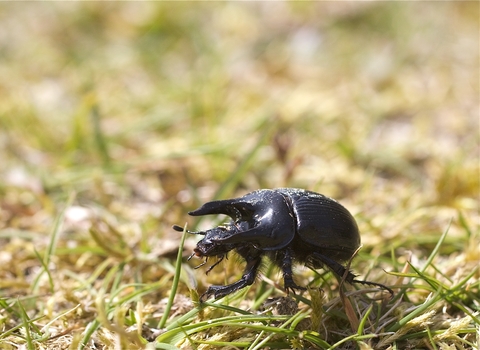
x=119, y=118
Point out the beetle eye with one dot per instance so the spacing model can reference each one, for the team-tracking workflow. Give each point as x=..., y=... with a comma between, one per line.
x=197, y=252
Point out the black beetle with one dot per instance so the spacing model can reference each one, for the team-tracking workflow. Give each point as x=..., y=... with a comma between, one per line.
x=286, y=224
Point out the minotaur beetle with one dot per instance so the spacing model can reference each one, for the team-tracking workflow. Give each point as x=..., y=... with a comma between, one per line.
x=288, y=225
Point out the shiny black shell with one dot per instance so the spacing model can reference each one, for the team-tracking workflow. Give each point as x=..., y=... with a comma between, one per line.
x=287, y=225
x=275, y=218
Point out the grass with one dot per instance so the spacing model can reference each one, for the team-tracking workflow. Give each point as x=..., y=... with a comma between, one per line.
x=118, y=119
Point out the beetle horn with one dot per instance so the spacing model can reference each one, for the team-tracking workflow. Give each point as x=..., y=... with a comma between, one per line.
x=228, y=207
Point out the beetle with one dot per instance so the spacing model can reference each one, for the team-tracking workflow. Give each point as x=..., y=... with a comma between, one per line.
x=288, y=225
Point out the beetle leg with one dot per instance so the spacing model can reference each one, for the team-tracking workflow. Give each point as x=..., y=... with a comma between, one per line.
x=376, y=285
x=247, y=279
x=335, y=267
x=286, y=265
x=340, y=271
x=203, y=263
x=216, y=263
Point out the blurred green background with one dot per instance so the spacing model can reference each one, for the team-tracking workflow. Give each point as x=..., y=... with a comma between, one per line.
x=143, y=111
x=373, y=102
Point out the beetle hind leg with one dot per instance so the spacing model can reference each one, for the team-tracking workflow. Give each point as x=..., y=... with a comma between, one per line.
x=368, y=283
x=341, y=271
x=338, y=269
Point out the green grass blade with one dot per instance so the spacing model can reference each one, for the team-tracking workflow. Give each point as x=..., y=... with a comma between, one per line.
x=54, y=236
x=99, y=136
x=421, y=309
x=89, y=330
x=46, y=269
x=26, y=322
x=437, y=247
x=176, y=279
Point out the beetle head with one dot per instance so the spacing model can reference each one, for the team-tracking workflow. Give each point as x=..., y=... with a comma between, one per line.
x=211, y=245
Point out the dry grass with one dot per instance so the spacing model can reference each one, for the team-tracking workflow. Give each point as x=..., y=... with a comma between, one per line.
x=117, y=119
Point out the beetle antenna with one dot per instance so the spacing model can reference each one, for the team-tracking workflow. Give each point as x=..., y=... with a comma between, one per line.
x=180, y=229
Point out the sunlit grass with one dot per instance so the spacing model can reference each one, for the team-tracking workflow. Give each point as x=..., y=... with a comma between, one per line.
x=118, y=119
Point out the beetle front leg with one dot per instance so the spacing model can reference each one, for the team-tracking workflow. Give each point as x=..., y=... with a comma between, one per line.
x=247, y=279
